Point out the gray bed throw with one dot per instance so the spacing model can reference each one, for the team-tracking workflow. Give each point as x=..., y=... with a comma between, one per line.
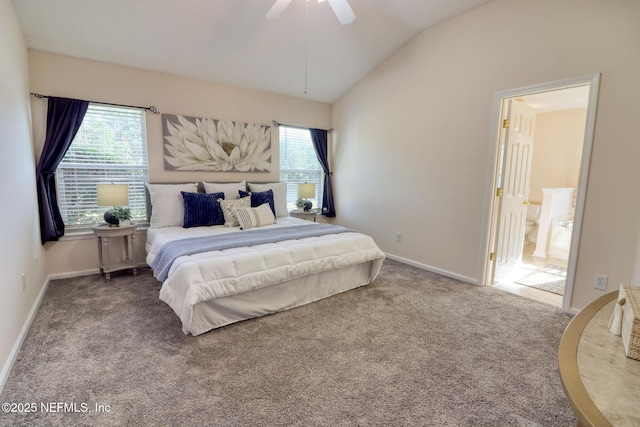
x=177, y=248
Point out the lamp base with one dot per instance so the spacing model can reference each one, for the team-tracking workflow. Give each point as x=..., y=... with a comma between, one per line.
x=110, y=219
x=307, y=205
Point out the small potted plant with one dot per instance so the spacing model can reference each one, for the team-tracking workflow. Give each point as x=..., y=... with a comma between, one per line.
x=300, y=204
x=123, y=215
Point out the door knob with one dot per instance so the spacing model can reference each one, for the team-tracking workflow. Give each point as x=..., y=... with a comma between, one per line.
x=525, y=202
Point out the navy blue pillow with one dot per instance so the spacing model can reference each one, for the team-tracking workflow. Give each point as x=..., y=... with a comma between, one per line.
x=202, y=209
x=260, y=198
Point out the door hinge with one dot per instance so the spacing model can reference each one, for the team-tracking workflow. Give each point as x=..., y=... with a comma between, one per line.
x=499, y=192
x=505, y=123
x=492, y=256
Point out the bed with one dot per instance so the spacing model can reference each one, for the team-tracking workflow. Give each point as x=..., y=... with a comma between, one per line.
x=215, y=275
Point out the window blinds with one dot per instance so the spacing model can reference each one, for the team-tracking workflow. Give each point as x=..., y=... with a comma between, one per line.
x=110, y=147
x=298, y=163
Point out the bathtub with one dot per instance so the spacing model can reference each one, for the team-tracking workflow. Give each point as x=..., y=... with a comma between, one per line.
x=560, y=239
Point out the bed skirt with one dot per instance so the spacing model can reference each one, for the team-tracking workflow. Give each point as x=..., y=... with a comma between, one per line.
x=223, y=311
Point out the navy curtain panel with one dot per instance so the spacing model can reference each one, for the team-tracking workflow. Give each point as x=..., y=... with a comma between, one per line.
x=64, y=117
x=319, y=139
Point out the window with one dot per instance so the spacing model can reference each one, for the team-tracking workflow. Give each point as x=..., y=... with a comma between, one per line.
x=299, y=164
x=110, y=147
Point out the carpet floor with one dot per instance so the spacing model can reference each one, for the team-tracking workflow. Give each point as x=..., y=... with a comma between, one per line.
x=412, y=348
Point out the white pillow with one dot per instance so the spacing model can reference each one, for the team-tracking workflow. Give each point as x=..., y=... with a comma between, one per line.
x=167, y=205
x=279, y=195
x=230, y=189
x=255, y=217
x=229, y=210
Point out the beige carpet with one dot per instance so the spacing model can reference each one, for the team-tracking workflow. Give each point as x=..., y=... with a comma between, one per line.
x=413, y=348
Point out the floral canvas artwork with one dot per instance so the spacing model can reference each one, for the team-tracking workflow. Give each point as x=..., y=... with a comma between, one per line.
x=196, y=144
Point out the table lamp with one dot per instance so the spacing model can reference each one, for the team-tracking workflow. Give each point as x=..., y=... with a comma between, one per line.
x=305, y=191
x=113, y=195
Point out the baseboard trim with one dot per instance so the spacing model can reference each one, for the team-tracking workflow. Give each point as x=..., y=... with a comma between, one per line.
x=74, y=274
x=81, y=273
x=13, y=355
x=573, y=311
x=432, y=269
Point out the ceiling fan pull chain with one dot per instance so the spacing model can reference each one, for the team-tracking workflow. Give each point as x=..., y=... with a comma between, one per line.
x=306, y=47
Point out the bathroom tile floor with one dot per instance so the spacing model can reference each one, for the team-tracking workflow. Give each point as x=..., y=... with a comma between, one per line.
x=530, y=263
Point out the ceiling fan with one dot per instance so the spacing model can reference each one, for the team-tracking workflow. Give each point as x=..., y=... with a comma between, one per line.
x=340, y=7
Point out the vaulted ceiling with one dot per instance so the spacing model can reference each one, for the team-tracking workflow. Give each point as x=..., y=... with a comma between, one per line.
x=231, y=42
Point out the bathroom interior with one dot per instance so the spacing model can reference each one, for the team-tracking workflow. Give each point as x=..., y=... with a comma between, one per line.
x=555, y=171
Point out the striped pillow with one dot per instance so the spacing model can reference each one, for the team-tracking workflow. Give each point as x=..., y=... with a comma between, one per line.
x=260, y=197
x=255, y=217
x=229, y=209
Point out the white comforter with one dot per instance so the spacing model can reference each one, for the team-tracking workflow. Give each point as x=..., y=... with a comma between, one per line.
x=205, y=276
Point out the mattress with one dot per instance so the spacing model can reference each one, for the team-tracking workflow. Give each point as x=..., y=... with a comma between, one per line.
x=212, y=289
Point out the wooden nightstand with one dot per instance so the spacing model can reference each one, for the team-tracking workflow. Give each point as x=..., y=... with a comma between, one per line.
x=308, y=215
x=103, y=232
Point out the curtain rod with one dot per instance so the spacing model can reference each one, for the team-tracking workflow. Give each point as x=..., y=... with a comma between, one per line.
x=276, y=124
x=152, y=109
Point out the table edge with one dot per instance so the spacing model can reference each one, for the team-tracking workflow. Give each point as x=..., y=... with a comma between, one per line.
x=585, y=409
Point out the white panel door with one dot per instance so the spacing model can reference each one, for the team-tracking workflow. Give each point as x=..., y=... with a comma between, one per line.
x=516, y=170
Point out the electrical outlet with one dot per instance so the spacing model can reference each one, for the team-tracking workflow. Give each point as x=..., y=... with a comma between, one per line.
x=600, y=282
x=398, y=237
x=24, y=282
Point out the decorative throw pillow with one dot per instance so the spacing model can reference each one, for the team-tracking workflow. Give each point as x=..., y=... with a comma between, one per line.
x=166, y=202
x=229, y=210
x=202, y=209
x=279, y=195
x=230, y=189
x=259, y=198
x=255, y=217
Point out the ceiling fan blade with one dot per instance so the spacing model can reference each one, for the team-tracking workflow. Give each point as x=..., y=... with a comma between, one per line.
x=343, y=11
x=277, y=9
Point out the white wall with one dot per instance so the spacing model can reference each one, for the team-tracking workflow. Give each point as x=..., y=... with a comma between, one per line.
x=557, y=151
x=64, y=76
x=20, y=252
x=412, y=139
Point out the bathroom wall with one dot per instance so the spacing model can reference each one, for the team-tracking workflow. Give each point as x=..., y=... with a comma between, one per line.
x=557, y=151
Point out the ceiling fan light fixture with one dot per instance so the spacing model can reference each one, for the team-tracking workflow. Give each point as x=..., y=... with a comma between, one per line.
x=343, y=11
x=341, y=8
x=277, y=9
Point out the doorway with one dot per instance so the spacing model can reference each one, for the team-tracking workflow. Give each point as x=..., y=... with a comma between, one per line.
x=520, y=258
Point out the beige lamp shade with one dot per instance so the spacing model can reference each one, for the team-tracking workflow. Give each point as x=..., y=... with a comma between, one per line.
x=113, y=194
x=306, y=191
